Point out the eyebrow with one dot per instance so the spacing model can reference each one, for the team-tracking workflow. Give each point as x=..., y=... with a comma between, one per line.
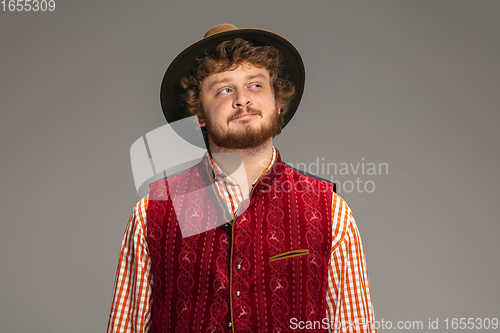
x=248, y=78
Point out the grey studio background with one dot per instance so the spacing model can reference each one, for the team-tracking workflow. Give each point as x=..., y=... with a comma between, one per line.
x=413, y=85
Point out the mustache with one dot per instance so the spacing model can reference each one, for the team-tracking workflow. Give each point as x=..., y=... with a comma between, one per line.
x=248, y=110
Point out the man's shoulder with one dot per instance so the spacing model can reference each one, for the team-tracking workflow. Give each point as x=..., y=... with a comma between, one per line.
x=139, y=212
x=304, y=174
x=178, y=175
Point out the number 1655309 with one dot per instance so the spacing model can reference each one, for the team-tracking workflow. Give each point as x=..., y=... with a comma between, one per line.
x=28, y=5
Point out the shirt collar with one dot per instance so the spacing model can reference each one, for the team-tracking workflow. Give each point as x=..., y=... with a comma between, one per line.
x=220, y=175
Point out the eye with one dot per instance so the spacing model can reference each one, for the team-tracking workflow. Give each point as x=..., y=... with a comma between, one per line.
x=224, y=91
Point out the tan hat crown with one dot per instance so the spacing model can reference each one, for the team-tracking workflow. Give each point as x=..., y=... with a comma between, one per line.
x=220, y=28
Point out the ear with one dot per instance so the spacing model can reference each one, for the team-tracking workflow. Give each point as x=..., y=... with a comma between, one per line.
x=201, y=120
x=279, y=109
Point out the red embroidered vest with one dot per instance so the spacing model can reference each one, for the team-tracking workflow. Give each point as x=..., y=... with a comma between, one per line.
x=258, y=273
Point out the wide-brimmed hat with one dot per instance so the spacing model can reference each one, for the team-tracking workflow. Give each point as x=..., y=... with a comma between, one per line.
x=183, y=65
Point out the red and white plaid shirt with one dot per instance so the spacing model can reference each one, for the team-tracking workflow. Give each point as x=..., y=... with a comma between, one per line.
x=229, y=190
x=348, y=300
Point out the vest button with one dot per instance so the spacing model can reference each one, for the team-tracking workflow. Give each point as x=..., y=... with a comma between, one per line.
x=229, y=325
x=238, y=267
x=238, y=293
x=227, y=225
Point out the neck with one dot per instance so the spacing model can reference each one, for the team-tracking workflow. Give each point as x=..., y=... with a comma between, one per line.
x=243, y=166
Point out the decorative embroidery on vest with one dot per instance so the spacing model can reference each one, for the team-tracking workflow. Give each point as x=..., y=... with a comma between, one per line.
x=219, y=309
x=260, y=272
x=241, y=301
x=314, y=235
x=278, y=282
x=191, y=275
x=204, y=282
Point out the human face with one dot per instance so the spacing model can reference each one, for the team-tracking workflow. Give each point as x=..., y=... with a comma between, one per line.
x=239, y=107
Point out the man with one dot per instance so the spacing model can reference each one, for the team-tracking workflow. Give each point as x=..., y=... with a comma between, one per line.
x=265, y=249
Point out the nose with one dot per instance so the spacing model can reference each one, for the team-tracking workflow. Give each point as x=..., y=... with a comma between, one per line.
x=242, y=99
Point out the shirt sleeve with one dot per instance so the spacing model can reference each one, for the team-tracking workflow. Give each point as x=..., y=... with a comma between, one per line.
x=131, y=305
x=349, y=304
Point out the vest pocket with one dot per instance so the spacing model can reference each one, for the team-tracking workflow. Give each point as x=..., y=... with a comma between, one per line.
x=289, y=254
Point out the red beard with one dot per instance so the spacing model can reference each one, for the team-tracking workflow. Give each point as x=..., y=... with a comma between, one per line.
x=245, y=138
